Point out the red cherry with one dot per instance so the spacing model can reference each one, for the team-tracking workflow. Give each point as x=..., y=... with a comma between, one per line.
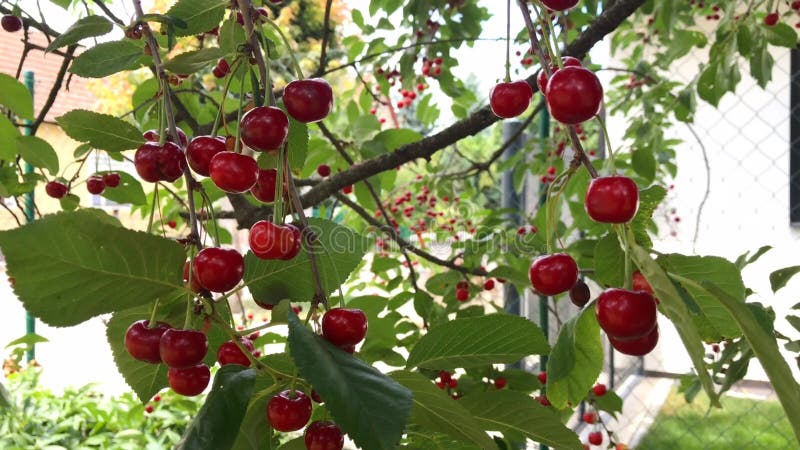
x=590, y=417
x=287, y=412
x=200, y=151
x=270, y=241
x=510, y=99
x=640, y=283
x=234, y=173
x=488, y=284
x=148, y=409
x=172, y=224
x=347, y=189
x=566, y=61
x=560, y=5
x=323, y=435
x=218, y=269
x=223, y=65
x=770, y=20
x=229, y=353
x=596, y=437
x=612, y=199
x=637, y=347
x=463, y=284
x=553, y=274
x=218, y=72
x=150, y=135
x=264, y=189
x=11, y=23
x=542, y=376
x=316, y=397
x=579, y=294
x=95, y=185
x=324, y=170
x=142, y=342
x=56, y=189
x=189, y=381
x=462, y=295
x=159, y=163
x=183, y=348
x=543, y=400
x=309, y=100
x=574, y=95
x=500, y=382
x=153, y=136
x=195, y=284
x=625, y=314
x=599, y=390
x=344, y=327
x=111, y=179
x=265, y=128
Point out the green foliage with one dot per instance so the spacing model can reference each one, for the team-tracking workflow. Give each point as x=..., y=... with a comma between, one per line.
x=194, y=61
x=100, y=130
x=576, y=360
x=38, y=152
x=199, y=15
x=107, y=59
x=16, y=97
x=89, y=26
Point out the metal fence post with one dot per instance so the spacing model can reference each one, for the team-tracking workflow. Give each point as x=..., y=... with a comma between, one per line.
x=30, y=321
x=514, y=200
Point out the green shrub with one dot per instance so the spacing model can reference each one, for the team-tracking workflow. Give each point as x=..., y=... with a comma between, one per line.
x=83, y=418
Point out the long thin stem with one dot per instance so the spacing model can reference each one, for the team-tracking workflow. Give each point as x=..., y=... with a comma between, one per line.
x=245, y=7
x=508, y=41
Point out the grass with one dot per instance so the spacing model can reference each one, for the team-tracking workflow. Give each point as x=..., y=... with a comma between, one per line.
x=742, y=424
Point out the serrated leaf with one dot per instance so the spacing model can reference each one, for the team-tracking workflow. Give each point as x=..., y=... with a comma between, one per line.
x=435, y=410
x=477, y=341
x=231, y=36
x=8, y=138
x=16, y=97
x=101, y=131
x=609, y=261
x=194, y=61
x=66, y=264
x=107, y=59
x=27, y=340
x=369, y=406
x=297, y=143
x=779, y=278
x=89, y=26
x=254, y=431
x=217, y=423
x=649, y=199
x=516, y=412
x=200, y=15
x=576, y=360
x=38, y=152
x=340, y=250
x=129, y=191
x=643, y=162
x=781, y=34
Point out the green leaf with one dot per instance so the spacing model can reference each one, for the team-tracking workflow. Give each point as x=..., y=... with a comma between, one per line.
x=477, y=341
x=643, y=161
x=28, y=340
x=610, y=402
x=217, y=423
x=5, y=398
x=714, y=269
x=200, y=15
x=294, y=444
x=254, y=432
x=676, y=310
x=194, y=61
x=395, y=138
x=369, y=406
x=67, y=263
x=101, y=131
x=779, y=278
x=231, y=36
x=38, y=152
x=16, y=97
x=761, y=63
x=8, y=138
x=89, y=26
x=781, y=34
x=107, y=59
x=516, y=412
x=340, y=251
x=434, y=410
x=297, y=143
x=609, y=261
x=576, y=360
x=649, y=199
x=129, y=191
x=766, y=349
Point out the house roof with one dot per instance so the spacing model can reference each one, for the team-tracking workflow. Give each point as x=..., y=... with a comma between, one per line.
x=45, y=67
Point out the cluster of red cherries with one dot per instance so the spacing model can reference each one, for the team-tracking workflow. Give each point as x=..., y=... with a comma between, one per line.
x=96, y=184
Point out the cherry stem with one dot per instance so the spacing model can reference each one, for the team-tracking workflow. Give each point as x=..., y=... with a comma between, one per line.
x=152, y=322
x=250, y=331
x=237, y=145
x=295, y=62
x=152, y=210
x=173, y=128
x=207, y=200
x=508, y=41
x=236, y=340
x=545, y=22
x=221, y=111
x=245, y=7
x=611, y=160
x=277, y=210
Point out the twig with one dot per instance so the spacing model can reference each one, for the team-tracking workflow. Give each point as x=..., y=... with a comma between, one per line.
x=51, y=98
x=108, y=12
x=708, y=185
x=16, y=219
x=245, y=7
x=326, y=31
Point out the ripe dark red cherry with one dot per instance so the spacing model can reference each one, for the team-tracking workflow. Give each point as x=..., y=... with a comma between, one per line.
x=566, y=61
x=596, y=437
x=343, y=327
x=265, y=128
x=770, y=20
x=56, y=189
x=579, y=294
x=195, y=287
x=626, y=315
x=200, y=151
x=142, y=342
x=183, y=348
x=159, y=163
x=640, y=283
x=574, y=95
x=500, y=382
x=234, y=173
x=612, y=199
x=323, y=435
x=287, y=412
x=189, y=381
x=218, y=269
x=324, y=170
x=11, y=23
x=590, y=417
x=270, y=241
x=462, y=295
x=599, y=390
x=553, y=274
x=95, y=185
x=229, y=353
x=560, y=5
x=264, y=189
x=637, y=347
x=542, y=376
x=309, y=100
x=510, y=99
x=112, y=179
